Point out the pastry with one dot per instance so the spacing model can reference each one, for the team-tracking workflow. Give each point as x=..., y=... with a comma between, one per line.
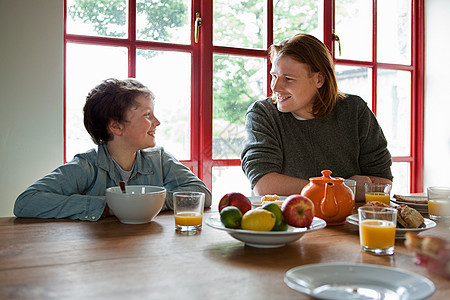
x=271, y=198
x=431, y=252
x=408, y=217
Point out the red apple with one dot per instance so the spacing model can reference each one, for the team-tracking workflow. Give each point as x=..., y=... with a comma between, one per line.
x=298, y=211
x=235, y=199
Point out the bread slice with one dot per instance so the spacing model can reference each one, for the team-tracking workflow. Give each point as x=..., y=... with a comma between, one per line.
x=408, y=217
x=412, y=199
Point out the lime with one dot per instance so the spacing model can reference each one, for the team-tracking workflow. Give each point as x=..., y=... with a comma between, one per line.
x=276, y=210
x=283, y=226
x=231, y=216
x=258, y=219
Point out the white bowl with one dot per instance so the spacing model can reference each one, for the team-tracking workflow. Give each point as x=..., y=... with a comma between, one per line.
x=140, y=204
x=266, y=239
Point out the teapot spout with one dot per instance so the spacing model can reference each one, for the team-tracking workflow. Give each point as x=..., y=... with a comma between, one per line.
x=329, y=206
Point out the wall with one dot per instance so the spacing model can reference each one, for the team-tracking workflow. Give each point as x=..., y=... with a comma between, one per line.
x=437, y=95
x=31, y=85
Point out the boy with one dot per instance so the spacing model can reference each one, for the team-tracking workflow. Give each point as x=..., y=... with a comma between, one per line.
x=118, y=115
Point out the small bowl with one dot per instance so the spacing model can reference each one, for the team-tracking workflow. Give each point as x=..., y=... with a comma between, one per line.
x=139, y=205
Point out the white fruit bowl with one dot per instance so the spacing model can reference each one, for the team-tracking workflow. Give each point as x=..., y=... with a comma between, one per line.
x=266, y=239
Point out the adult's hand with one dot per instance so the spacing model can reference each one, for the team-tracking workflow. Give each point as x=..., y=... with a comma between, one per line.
x=361, y=180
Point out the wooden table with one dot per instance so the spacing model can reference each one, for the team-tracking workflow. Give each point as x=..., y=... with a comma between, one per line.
x=66, y=259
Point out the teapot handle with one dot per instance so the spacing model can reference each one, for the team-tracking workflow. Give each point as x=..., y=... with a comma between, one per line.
x=328, y=205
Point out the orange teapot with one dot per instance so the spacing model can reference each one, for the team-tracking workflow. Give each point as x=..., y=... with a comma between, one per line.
x=333, y=200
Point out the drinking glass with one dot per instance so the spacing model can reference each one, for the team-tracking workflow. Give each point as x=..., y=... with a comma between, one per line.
x=352, y=185
x=378, y=192
x=188, y=211
x=377, y=229
x=439, y=202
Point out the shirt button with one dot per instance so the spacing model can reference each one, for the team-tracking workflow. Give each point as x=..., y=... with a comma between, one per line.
x=86, y=217
x=93, y=218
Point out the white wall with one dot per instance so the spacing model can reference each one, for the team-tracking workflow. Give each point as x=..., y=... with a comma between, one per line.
x=437, y=93
x=31, y=94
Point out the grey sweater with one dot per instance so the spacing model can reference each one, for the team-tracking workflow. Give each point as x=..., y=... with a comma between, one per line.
x=349, y=141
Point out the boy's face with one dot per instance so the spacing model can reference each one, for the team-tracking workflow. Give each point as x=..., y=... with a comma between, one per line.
x=139, y=129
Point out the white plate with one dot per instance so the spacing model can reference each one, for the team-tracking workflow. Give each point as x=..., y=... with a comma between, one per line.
x=266, y=239
x=399, y=232
x=256, y=200
x=357, y=281
x=420, y=207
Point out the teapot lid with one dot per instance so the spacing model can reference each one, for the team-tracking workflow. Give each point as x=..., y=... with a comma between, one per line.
x=326, y=177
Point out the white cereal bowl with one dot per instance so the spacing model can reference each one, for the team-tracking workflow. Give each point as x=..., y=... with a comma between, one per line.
x=138, y=205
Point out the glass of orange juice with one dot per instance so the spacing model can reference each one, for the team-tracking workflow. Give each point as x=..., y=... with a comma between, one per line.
x=378, y=192
x=439, y=202
x=188, y=211
x=377, y=229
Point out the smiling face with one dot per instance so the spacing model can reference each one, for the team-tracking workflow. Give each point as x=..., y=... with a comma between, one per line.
x=138, y=131
x=294, y=86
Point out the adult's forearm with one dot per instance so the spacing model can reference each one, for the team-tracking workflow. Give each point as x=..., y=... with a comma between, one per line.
x=282, y=185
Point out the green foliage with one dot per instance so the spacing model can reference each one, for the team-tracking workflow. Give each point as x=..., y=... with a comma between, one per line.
x=106, y=16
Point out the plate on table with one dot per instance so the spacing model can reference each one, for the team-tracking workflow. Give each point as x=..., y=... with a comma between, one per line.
x=399, y=232
x=357, y=281
x=266, y=239
x=256, y=200
x=420, y=207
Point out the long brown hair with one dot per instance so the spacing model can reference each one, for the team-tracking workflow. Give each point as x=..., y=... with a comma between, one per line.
x=307, y=49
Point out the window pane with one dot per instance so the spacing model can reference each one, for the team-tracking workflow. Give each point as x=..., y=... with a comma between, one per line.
x=239, y=23
x=238, y=81
x=394, y=109
x=172, y=91
x=356, y=81
x=98, y=18
x=164, y=21
x=86, y=67
x=297, y=16
x=226, y=180
x=401, y=184
x=394, y=31
x=354, y=28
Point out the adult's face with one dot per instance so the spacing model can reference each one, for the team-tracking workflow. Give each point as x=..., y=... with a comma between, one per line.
x=294, y=86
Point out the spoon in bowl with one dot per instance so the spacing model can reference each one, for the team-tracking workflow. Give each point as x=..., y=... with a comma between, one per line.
x=122, y=186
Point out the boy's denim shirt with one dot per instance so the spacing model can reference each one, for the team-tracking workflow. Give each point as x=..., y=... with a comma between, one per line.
x=76, y=190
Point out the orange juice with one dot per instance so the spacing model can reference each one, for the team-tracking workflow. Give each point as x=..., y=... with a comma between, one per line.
x=377, y=196
x=188, y=219
x=439, y=208
x=379, y=234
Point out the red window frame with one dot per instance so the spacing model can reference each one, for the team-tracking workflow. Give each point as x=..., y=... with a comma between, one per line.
x=201, y=161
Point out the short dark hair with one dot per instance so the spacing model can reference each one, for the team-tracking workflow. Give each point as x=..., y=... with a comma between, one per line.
x=110, y=100
x=307, y=49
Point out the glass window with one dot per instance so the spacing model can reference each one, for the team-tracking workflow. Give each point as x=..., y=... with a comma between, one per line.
x=173, y=96
x=228, y=179
x=239, y=23
x=238, y=81
x=291, y=17
x=87, y=66
x=402, y=174
x=353, y=23
x=98, y=18
x=394, y=109
x=355, y=80
x=164, y=21
x=394, y=31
